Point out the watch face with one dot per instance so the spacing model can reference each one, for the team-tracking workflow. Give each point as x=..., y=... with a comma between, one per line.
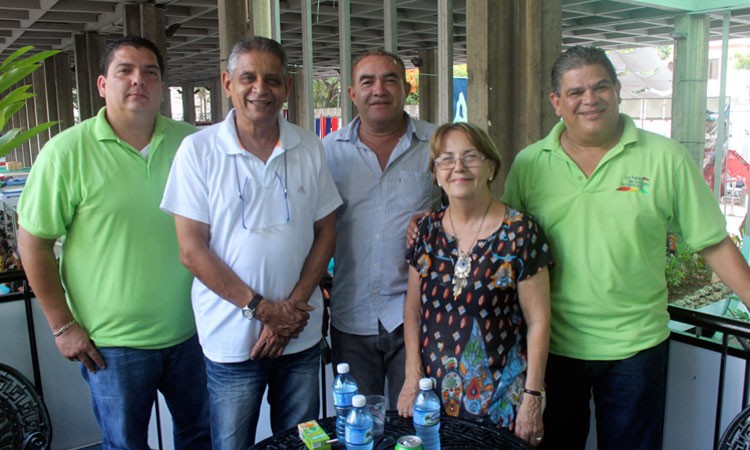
x=248, y=313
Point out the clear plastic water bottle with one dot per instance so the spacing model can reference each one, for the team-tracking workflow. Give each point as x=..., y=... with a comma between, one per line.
x=344, y=388
x=358, y=431
x=427, y=415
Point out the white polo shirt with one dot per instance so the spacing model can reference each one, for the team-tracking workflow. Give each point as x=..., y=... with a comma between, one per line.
x=214, y=181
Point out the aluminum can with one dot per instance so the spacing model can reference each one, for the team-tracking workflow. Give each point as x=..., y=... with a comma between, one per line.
x=409, y=443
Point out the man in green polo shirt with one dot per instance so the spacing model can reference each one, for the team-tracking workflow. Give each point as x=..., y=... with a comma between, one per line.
x=120, y=301
x=606, y=193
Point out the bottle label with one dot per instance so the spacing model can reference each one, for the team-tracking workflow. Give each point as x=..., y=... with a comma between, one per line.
x=343, y=398
x=426, y=418
x=358, y=436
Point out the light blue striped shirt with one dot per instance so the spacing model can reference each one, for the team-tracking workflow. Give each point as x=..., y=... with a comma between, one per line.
x=371, y=271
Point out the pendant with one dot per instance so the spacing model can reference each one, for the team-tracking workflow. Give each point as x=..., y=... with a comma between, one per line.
x=460, y=274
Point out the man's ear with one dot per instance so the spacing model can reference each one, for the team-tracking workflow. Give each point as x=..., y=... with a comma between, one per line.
x=555, y=100
x=226, y=81
x=101, y=85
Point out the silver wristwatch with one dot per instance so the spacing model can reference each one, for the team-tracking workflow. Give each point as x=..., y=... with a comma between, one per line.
x=248, y=312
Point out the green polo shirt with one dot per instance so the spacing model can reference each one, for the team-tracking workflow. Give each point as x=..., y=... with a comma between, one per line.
x=608, y=234
x=120, y=261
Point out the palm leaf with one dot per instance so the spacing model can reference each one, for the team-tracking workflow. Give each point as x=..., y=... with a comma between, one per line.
x=24, y=136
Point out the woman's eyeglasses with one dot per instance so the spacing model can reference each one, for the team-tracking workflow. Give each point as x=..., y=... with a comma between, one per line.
x=469, y=160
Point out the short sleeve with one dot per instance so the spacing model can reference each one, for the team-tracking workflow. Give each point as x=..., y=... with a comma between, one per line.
x=48, y=202
x=328, y=199
x=532, y=247
x=415, y=252
x=186, y=193
x=698, y=217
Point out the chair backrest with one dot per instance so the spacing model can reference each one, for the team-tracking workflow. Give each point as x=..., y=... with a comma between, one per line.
x=24, y=421
x=737, y=434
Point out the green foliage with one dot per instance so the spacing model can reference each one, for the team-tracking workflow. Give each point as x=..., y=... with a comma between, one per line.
x=12, y=97
x=742, y=61
x=327, y=92
x=664, y=51
x=685, y=269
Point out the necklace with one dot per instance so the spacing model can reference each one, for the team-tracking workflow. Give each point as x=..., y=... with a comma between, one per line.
x=462, y=266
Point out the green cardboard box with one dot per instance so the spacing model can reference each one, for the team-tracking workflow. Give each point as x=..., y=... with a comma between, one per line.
x=313, y=435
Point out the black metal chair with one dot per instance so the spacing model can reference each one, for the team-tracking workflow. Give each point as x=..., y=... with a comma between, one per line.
x=24, y=421
x=737, y=434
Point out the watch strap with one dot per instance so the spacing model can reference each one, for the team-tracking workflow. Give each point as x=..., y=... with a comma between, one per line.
x=253, y=304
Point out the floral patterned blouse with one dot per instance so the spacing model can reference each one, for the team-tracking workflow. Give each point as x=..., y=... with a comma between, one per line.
x=474, y=345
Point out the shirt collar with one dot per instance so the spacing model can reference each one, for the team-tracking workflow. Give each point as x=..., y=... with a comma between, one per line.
x=104, y=132
x=229, y=141
x=413, y=129
x=629, y=135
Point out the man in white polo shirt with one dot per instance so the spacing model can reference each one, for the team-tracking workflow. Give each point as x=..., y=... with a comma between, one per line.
x=254, y=211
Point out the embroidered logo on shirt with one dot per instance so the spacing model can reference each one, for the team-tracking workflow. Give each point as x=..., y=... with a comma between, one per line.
x=633, y=183
x=301, y=190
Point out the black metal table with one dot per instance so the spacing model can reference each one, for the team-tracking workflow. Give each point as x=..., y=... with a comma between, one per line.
x=455, y=434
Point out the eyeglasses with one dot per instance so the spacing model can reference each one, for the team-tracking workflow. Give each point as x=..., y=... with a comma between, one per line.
x=469, y=160
x=271, y=210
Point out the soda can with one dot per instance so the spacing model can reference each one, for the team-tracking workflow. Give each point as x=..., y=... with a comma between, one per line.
x=409, y=443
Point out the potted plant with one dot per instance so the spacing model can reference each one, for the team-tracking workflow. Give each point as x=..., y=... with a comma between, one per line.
x=13, y=70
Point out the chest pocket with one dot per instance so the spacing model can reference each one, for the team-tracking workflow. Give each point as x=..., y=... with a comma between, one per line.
x=414, y=190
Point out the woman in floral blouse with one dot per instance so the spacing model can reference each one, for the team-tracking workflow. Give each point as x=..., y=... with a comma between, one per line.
x=477, y=311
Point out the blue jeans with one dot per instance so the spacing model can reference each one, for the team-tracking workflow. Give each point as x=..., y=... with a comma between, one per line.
x=236, y=391
x=629, y=397
x=372, y=359
x=124, y=392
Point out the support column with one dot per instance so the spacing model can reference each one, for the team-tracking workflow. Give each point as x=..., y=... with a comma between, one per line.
x=232, y=27
x=345, y=61
x=188, y=103
x=690, y=82
x=40, y=109
x=445, y=61
x=83, y=82
x=298, y=112
x=217, y=93
x=94, y=50
x=148, y=21
x=511, y=47
x=31, y=147
x=428, y=85
x=64, y=91
x=306, y=118
x=390, y=25
x=51, y=94
x=264, y=19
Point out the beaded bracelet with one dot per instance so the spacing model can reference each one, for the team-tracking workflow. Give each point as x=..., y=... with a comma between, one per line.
x=64, y=328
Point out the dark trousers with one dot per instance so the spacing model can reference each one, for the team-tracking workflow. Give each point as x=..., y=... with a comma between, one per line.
x=372, y=359
x=629, y=397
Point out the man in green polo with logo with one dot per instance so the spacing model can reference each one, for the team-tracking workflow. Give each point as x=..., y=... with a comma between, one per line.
x=606, y=193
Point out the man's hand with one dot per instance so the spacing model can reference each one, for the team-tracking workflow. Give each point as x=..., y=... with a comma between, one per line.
x=75, y=345
x=269, y=345
x=412, y=230
x=285, y=318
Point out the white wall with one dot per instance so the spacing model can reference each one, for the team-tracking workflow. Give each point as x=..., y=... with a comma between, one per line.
x=65, y=392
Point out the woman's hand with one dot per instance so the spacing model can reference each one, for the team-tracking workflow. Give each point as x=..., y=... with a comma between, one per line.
x=406, y=398
x=529, y=425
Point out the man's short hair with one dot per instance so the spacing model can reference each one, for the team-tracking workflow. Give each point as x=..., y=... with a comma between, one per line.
x=129, y=41
x=579, y=56
x=477, y=136
x=381, y=52
x=257, y=44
